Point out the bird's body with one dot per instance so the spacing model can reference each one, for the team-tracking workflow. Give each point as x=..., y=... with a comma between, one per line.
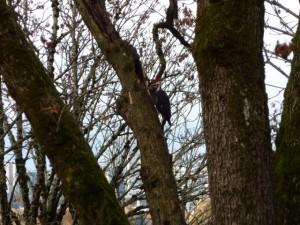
x=163, y=106
x=161, y=101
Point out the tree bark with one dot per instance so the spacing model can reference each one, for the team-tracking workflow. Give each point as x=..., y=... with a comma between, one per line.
x=287, y=155
x=54, y=127
x=228, y=54
x=136, y=108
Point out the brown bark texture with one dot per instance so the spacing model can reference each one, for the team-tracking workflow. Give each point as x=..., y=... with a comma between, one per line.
x=54, y=127
x=287, y=155
x=136, y=108
x=228, y=53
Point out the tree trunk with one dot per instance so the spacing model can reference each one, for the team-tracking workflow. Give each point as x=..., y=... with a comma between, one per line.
x=228, y=54
x=287, y=156
x=55, y=128
x=136, y=108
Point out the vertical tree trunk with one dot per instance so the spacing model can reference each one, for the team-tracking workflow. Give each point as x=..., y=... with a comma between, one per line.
x=55, y=128
x=287, y=156
x=228, y=54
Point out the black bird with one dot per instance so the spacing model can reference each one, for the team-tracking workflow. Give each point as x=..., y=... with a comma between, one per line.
x=163, y=106
x=161, y=101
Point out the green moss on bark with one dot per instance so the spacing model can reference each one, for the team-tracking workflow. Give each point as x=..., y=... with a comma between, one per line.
x=287, y=155
x=227, y=51
x=55, y=128
x=140, y=115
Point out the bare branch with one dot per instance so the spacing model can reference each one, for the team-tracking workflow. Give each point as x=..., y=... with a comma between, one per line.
x=273, y=2
x=172, y=13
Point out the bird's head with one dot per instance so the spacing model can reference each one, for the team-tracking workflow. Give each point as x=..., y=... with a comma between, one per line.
x=155, y=83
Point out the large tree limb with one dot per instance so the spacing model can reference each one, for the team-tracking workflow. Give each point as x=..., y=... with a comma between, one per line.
x=55, y=128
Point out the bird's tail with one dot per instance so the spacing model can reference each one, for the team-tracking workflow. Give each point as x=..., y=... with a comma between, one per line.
x=169, y=122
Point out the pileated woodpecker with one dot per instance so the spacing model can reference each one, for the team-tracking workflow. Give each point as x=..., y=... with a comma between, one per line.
x=161, y=101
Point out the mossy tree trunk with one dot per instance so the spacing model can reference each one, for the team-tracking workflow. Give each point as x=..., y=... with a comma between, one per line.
x=54, y=127
x=228, y=54
x=136, y=108
x=287, y=155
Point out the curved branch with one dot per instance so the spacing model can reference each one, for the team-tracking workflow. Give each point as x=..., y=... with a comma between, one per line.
x=172, y=13
x=159, y=52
